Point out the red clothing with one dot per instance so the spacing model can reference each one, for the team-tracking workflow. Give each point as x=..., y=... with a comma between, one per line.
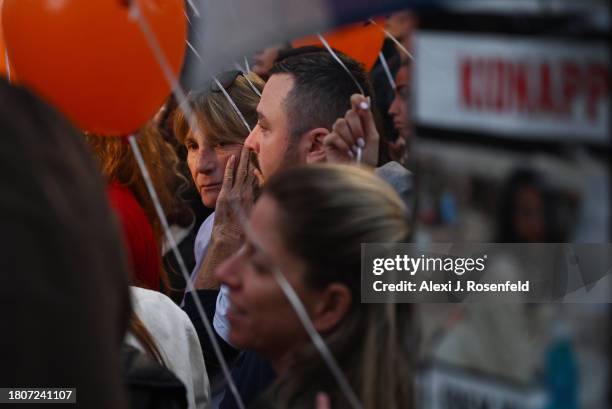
x=143, y=252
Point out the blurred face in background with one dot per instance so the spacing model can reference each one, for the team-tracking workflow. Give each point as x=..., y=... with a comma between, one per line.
x=264, y=59
x=528, y=217
x=207, y=165
x=401, y=25
x=399, y=108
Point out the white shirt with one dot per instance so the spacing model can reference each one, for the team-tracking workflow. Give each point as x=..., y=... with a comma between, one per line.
x=177, y=341
x=202, y=241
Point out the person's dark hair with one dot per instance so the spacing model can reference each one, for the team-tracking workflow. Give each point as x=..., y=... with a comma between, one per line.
x=292, y=52
x=406, y=62
x=142, y=334
x=336, y=208
x=322, y=88
x=64, y=269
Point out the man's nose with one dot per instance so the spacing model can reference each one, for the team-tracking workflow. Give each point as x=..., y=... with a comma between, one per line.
x=206, y=161
x=252, y=141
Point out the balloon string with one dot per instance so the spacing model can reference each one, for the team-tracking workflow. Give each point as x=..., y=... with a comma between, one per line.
x=335, y=57
x=183, y=105
x=392, y=38
x=246, y=76
x=228, y=97
x=253, y=87
x=232, y=103
x=383, y=62
x=302, y=314
x=8, y=66
x=192, y=48
x=195, y=10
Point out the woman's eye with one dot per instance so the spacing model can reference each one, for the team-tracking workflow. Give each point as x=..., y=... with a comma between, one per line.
x=191, y=146
x=251, y=254
x=259, y=266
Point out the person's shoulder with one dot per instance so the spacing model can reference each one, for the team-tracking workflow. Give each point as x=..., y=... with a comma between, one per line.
x=149, y=302
x=140, y=294
x=396, y=175
x=393, y=169
x=165, y=320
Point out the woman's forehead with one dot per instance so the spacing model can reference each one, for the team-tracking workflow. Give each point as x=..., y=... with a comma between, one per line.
x=264, y=230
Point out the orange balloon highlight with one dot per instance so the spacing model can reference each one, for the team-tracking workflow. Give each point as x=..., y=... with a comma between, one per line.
x=2, y=47
x=91, y=60
x=360, y=41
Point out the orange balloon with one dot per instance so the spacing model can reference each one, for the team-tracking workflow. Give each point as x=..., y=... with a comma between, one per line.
x=360, y=41
x=2, y=47
x=91, y=59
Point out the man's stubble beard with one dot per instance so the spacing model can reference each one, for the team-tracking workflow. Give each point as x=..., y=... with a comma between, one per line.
x=291, y=156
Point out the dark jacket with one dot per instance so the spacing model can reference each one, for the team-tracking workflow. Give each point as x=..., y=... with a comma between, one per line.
x=150, y=385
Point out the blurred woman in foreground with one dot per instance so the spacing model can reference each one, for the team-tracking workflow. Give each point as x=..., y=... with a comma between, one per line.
x=309, y=223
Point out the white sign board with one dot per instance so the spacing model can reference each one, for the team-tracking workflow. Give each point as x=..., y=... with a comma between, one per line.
x=519, y=87
x=453, y=388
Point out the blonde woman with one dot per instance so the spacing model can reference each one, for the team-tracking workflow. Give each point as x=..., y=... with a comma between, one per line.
x=312, y=232
x=222, y=135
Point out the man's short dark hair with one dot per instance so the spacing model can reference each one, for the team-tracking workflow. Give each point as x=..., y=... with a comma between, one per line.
x=322, y=88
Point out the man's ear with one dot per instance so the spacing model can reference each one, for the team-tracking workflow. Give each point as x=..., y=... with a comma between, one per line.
x=312, y=145
x=333, y=304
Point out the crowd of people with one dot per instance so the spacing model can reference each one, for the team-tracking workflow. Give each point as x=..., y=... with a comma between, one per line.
x=292, y=166
x=269, y=177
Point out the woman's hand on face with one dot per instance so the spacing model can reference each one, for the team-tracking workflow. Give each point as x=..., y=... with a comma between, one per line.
x=237, y=194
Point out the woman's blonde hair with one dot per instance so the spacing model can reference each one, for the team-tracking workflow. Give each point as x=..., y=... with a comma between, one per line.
x=337, y=208
x=217, y=117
